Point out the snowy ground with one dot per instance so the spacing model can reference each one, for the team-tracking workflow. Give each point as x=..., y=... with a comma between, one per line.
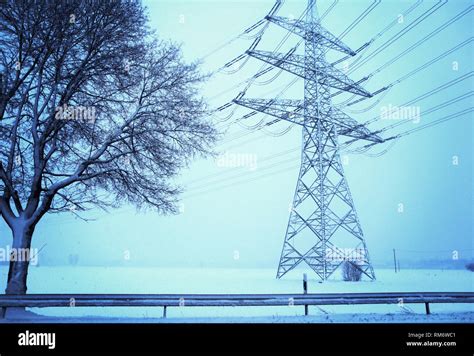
x=161, y=280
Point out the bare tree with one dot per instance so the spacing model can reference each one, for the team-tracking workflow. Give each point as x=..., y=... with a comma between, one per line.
x=351, y=271
x=93, y=113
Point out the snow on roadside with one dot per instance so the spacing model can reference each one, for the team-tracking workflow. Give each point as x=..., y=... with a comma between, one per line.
x=79, y=279
x=467, y=317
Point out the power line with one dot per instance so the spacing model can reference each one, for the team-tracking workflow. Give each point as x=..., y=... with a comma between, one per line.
x=264, y=159
x=401, y=33
x=427, y=94
x=422, y=127
x=408, y=50
x=247, y=31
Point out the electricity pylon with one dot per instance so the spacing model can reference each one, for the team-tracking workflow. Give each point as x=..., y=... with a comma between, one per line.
x=323, y=228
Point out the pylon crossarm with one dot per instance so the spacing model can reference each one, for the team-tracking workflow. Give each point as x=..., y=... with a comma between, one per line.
x=351, y=128
x=324, y=73
x=311, y=32
x=273, y=108
x=344, y=124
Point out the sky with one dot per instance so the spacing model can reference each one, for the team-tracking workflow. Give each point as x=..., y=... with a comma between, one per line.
x=416, y=198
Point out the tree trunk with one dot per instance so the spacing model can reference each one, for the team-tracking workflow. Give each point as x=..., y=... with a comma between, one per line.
x=18, y=271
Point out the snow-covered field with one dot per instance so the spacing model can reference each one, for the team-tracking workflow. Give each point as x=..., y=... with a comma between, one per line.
x=71, y=279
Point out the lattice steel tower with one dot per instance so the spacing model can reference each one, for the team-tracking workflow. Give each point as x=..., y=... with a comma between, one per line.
x=323, y=228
